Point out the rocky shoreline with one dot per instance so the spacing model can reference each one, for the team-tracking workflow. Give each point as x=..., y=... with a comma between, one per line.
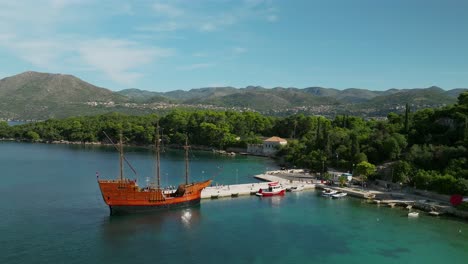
x=66, y=142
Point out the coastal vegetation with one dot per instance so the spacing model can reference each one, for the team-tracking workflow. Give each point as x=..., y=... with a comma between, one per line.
x=426, y=149
x=365, y=169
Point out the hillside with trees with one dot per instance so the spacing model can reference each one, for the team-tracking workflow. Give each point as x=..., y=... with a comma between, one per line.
x=32, y=95
x=426, y=149
x=40, y=96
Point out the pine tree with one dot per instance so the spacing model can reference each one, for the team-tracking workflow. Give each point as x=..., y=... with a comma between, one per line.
x=318, y=137
x=407, y=111
x=466, y=128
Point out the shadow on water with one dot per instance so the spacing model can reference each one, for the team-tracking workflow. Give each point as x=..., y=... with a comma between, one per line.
x=117, y=228
x=393, y=252
x=274, y=201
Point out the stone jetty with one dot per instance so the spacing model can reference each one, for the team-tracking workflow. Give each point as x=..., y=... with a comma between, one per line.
x=302, y=179
x=234, y=190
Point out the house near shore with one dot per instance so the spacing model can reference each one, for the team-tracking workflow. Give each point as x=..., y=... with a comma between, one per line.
x=349, y=176
x=336, y=175
x=269, y=147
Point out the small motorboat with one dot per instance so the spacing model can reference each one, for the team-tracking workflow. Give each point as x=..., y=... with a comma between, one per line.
x=413, y=214
x=339, y=195
x=327, y=192
x=297, y=188
x=434, y=213
x=274, y=188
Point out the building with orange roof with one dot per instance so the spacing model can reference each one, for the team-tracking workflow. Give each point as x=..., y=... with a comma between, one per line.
x=269, y=147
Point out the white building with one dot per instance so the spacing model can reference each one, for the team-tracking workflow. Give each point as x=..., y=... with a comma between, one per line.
x=269, y=147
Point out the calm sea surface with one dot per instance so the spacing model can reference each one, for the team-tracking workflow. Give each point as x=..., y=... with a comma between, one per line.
x=51, y=211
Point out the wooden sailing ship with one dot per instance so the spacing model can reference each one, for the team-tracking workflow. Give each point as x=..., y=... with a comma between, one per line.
x=125, y=196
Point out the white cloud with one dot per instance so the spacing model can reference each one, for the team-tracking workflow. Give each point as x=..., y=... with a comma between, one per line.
x=196, y=66
x=164, y=26
x=125, y=9
x=254, y=3
x=199, y=54
x=172, y=17
x=239, y=50
x=272, y=18
x=41, y=53
x=167, y=10
x=207, y=27
x=30, y=31
x=18, y=14
x=60, y=4
x=43, y=33
x=6, y=38
x=118, y=59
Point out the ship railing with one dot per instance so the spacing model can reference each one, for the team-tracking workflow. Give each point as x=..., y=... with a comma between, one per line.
x=118, y=181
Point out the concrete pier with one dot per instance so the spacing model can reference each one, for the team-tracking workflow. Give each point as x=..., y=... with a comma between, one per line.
x=232, y=190
x=350, y=191
x=235, y=190
x=304, y=181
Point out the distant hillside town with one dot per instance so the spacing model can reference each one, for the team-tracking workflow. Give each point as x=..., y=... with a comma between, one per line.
x=40, y=96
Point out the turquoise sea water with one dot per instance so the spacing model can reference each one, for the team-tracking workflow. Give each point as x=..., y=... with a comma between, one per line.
x=52, y=212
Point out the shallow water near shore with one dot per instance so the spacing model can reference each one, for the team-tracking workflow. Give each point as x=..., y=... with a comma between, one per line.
x=52, y=212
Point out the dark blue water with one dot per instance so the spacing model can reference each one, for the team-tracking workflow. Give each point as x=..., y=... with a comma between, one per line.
x=52, y=212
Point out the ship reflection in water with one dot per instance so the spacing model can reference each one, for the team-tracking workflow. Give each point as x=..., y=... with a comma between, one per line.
x=123, y=227
x=274, y=201
x=186, y=217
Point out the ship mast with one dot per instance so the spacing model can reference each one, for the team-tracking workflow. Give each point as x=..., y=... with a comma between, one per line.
x=120, y=150
x=186, y=147
x=158, y=158
x=121, y=157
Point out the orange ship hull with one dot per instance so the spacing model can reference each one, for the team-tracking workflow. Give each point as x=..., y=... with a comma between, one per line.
x=125, y=196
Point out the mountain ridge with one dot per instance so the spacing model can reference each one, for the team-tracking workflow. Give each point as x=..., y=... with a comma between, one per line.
x=36, y=95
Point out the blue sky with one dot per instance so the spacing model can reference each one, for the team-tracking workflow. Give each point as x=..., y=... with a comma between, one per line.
x=166, y=45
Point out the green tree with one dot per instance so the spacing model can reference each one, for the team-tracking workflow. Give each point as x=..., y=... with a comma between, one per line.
x=445, y=184
x=343, y=179
x=32, y=136
x=422, y=179
x=463, y=99
x=360, y=157
x=463, y=186
x=326, y=176
x=364, y=169
x=465, y=134
x=391, y=148
x=4, y=129
x=401, y=171
x=407, y=113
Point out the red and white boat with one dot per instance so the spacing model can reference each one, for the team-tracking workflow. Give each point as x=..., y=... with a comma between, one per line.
x=274, y=188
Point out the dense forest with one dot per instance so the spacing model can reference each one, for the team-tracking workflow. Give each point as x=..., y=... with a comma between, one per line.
x=426, y=149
